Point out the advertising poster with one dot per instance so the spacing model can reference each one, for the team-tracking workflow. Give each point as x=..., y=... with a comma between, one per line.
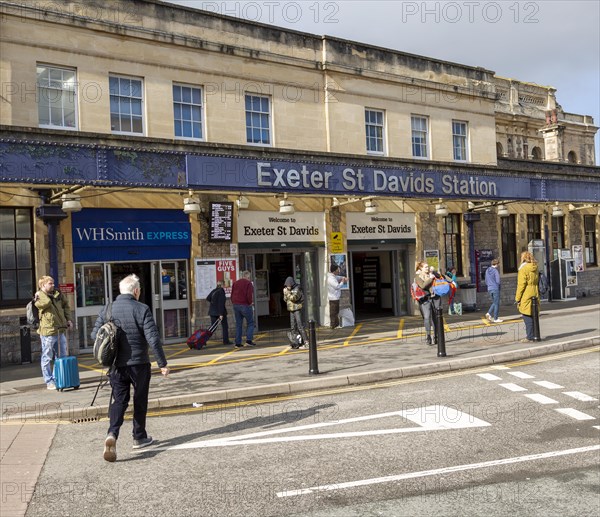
x=209, y=271
x=578, y=258
x=571, y=273
x=341, y=260
x=432, y=257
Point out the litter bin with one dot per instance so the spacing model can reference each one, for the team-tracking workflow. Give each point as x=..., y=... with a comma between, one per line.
x=467, y=295
x=25, y=334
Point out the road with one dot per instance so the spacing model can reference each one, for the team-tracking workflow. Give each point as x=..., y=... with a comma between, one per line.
x=520, y=438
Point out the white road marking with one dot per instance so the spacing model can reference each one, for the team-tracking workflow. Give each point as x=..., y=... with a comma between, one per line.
x=549, y=385
x=596, y=426
x=489, y=377
x=513, y=387
x=573, y=413
x=542, y=399
x=579, y=396
x=434, y=472
x=521, y=375
x=430, y=418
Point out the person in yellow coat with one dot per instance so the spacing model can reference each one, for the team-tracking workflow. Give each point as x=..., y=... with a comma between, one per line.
x=527, y=288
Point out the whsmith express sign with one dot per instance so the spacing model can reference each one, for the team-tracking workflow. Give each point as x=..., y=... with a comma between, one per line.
x=207, y=171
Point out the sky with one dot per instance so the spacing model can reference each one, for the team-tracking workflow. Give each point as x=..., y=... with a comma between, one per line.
x=549, y=42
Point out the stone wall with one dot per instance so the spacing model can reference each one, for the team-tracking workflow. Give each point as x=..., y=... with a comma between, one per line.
x=10, y=341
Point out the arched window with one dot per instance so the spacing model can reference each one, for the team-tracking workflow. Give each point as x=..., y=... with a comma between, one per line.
x=572, y=157
x=536, y=153
x=499, y=150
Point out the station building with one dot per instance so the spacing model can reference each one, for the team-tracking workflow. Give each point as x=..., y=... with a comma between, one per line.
x=184, y=146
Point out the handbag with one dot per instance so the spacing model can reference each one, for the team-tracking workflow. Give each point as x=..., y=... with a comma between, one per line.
x=346, y=317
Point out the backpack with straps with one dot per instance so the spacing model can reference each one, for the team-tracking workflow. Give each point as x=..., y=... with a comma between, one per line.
x=417, y=293
x=106, y=345
x=33, y=315
x=441, y=287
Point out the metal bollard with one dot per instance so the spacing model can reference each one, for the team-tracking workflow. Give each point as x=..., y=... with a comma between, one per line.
x=25, y=335
x=439, y=328
x=313, y=363
x=535, y=316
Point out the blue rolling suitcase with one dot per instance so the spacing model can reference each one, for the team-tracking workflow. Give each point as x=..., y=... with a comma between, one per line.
x=66, y=371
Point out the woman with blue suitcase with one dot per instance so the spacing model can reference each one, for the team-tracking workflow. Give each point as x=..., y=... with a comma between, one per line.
x=55, y=319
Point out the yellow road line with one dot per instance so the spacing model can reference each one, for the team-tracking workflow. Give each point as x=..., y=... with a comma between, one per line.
x=354, y=332
x=217, y=359
x=400, y=328
x=186, y=349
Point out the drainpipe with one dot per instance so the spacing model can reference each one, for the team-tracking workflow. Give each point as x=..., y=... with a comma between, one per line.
x=52, y=215
x=470, y=218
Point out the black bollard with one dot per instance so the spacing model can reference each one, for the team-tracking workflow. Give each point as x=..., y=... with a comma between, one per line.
x=25, y=335
x=313, y=363
x=439, y=328
x=535, y=315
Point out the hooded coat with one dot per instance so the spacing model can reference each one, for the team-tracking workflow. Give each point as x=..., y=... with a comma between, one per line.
x=527, y=287
x=292, y=295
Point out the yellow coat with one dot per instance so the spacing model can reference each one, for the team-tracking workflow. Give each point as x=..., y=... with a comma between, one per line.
x=527, y=287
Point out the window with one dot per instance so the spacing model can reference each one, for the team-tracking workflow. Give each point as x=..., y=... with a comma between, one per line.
x=452, y=241
x=459, y=140
x=57, y=97
x=374, y=130
x=258, y=129
x=16, y=256
x=126, y=97
x=509, y=244
x=534, y=227
x=558, y=235
x=536, y=153
x=589, y=227
x=187, y=111
x=419, y=136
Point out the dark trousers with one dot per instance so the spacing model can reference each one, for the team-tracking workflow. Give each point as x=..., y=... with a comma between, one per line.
x=427, y=309
x=334, y=313
x=121, y=381
x=224, y=326
x=296, y=325
x=528, y=326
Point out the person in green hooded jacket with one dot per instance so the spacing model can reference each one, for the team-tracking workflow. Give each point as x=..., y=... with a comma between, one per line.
x=55, y=319
x=527, y=288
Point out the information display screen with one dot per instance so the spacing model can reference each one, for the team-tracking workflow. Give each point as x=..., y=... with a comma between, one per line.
x=220, y=221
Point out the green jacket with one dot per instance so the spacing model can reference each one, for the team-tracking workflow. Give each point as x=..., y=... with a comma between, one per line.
x=54, y=313
x=527, y=287
x=293, y=298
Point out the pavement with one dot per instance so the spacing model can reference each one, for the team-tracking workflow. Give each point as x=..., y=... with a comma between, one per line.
x=373, y=351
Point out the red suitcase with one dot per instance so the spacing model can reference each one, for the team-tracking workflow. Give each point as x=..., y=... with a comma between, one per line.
x=198, y=339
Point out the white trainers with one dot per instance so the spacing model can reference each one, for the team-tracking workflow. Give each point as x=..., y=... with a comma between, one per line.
x=489, y=317
x=498, y=320
x=51, y=386
x=110, y=448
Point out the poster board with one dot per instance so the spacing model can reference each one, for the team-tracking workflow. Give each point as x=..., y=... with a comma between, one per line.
x=207, y=272
x=432, y=257
x=341, y=260
x=578, y=258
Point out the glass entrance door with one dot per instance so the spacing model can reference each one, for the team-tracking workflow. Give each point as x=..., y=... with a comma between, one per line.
x=171, y=300
x=306, y=274
x=91, y=296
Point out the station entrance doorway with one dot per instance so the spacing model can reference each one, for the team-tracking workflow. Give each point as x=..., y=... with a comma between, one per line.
x=268, y=270
x=379, y=280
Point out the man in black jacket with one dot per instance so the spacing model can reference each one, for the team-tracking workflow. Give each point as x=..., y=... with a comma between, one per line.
x=132, y=366
x=217, y=310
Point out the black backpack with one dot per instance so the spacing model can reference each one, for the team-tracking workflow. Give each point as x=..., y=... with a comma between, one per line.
x=33, y=315
x=106, y=345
